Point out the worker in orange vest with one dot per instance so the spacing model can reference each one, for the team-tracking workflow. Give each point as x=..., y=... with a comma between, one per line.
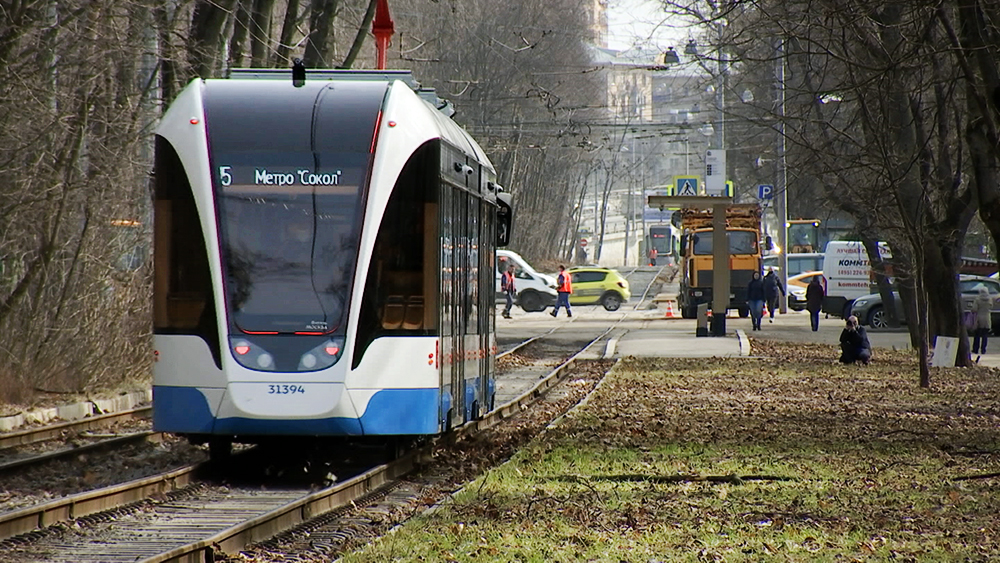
x=564, y=286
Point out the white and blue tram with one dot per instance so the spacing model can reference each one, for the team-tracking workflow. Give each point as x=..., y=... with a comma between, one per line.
x=323, y=260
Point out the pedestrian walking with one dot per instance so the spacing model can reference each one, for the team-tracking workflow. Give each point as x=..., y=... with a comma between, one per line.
x=652, y=256
x=982, y=306
x=755, y=299
x=854, y=345
x=773, y=291
x=564, y=287
x=814, y=301
x=508, y=289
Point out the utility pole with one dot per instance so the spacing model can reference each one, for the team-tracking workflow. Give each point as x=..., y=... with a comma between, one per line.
x=781, y=205
x=720, y=96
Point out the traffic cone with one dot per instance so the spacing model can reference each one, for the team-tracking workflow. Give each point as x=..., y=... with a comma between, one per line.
x=671, y=313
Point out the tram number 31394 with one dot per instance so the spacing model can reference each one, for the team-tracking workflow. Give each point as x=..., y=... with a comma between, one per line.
x=285, y=389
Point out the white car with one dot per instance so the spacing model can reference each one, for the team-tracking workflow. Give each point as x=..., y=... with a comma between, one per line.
x=535, y=291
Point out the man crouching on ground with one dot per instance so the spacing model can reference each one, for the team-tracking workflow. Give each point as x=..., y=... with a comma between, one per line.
x=854, y=345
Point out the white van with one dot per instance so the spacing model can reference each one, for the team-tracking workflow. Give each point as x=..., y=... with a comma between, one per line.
x=848, y=274
x=535, y=291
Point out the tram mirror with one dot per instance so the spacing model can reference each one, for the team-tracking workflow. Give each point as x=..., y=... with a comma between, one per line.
x=504, y=219
x=768, y=243
x=684, y=245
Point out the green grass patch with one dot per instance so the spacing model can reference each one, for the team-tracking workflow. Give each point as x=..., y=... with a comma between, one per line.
x=785, y=458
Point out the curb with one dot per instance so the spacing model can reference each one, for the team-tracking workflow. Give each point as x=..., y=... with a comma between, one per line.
x=744, y=342
x=76, y=411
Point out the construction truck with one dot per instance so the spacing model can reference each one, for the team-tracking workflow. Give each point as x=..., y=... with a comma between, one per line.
x=743, y=231
x=803, y=236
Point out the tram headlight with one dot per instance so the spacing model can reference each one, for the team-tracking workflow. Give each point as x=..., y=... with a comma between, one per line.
x=322, y=356
x=251, y=355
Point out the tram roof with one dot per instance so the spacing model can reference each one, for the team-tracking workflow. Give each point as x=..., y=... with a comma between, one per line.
x=405, y=76
x=449, y=129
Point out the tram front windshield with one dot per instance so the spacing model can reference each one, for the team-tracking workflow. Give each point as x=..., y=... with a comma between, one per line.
x=289, y=243
x=661, y=239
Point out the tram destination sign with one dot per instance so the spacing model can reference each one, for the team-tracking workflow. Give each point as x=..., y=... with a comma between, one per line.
x=298, y=177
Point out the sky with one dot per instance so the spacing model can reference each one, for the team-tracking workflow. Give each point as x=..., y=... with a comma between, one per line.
x=629, y=20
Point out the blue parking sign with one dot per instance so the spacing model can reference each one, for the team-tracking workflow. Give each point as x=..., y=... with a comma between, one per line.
x=765, y=191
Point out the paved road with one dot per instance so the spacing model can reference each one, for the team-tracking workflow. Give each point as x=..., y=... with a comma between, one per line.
x=645, y=330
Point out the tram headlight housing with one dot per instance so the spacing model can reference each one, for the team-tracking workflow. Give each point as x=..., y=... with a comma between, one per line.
x=251, y=355
x=322, y=356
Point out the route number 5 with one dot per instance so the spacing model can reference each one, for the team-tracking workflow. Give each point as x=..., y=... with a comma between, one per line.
x=225, y=178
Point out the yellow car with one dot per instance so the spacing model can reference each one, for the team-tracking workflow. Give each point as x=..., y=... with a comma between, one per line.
x=593, y=285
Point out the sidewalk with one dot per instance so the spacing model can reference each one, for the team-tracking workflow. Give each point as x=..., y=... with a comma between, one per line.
x=675, y=337
x=650, y=335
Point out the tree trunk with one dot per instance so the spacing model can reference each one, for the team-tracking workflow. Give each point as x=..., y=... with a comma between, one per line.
x=320, y=34
x=260, y=33
x=168, y=61
x=206, y=36
x=359, y=39
x=287, y=33
x=240, y=30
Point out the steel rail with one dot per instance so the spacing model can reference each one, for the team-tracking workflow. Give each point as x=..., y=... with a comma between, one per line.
x=41, y=434
x=268, y=525
x=544, y=334
x=71, y=451
x=648, y=287
x=69, y=508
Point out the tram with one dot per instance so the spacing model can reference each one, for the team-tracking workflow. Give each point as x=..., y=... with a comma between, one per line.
x=665, y=238
x=324, y=250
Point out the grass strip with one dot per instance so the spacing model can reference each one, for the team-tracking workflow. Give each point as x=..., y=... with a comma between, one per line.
x=784, y=457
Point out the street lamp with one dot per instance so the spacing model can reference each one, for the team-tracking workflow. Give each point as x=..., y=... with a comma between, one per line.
x=781, y=206
x=669, y=57
x=718, y=179
x=687, y=156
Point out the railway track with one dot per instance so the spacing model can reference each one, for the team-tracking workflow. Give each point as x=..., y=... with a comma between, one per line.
x=58, y=431
x=171, y=505
x=648, y=288
x=154, y=519
x=48, y=462
x=34, y=446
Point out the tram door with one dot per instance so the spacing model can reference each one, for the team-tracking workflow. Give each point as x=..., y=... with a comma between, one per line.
x=487, y=301
x=460, y=213
x=453, y=309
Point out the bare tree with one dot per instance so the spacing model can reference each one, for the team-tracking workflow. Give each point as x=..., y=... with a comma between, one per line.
x=873, y=110
x=89, y=79
x=241, y=29
x=206, y=37
x=321, y=16
x=291, y=19
x=260, y=33
x=73, y=292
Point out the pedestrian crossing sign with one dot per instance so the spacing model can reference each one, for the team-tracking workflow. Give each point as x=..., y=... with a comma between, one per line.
x=686, y=185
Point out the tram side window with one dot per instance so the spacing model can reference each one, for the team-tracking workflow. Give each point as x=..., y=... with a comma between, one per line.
x=183, y=301
x=400, y=291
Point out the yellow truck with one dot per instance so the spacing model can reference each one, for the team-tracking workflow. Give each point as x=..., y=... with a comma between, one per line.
x=743, y=231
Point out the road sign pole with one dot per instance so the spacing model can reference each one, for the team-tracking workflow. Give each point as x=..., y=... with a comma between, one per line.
x=720, y=269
